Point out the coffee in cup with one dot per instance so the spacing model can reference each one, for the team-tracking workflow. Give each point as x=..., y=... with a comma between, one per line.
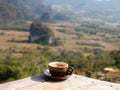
x=59, y=69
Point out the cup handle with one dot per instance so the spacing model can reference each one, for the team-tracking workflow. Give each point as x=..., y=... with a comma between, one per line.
x=69, y=71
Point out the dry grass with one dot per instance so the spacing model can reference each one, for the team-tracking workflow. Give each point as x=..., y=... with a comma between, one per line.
x=71, y=39
x=19, y=39
x=14, y=39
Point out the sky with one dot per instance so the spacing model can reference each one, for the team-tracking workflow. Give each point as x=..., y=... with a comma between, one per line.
x=103, y=0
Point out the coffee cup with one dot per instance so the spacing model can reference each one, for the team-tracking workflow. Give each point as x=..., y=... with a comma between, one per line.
x=59, y=69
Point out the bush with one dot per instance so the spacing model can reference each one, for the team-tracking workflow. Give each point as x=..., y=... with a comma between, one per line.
x=56, y=42
x=12, y=67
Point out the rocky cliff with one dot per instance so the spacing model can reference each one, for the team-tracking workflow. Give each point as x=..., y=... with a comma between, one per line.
x=40, y=33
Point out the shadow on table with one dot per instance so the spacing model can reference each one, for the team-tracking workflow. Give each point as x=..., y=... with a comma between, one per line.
x=43, y=78
x=39, y=78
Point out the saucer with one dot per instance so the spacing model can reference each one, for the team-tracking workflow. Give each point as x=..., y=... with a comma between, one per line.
x=48, y=74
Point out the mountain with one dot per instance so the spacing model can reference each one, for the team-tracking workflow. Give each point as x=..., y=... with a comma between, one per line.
x=10, y=14
x=15, y=11
x=38, y=6
x=87, y=4
x=98, y=9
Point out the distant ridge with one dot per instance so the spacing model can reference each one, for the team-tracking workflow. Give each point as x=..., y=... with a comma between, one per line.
x=15, y=11
x=106, y=10
x=88, y=4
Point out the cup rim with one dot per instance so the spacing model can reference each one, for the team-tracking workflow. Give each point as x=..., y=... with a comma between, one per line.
x=58, y=62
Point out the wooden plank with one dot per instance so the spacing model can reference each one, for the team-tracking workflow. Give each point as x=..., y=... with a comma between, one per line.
x=75, y=82
x=22, y=83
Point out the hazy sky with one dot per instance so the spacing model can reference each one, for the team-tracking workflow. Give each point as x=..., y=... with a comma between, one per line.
x=103, y=0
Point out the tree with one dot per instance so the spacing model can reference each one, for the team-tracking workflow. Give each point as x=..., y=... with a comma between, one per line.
x=116, y=56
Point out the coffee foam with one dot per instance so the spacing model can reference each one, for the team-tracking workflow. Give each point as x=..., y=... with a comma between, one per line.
x=58, y=64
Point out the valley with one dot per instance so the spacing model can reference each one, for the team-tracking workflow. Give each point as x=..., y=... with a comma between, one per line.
x=83, y=33
x=94, y=46
x=70, y=38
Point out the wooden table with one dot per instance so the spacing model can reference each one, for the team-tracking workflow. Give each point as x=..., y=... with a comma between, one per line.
x=75, y=82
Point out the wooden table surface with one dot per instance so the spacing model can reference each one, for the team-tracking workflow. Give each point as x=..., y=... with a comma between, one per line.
x=75, y=82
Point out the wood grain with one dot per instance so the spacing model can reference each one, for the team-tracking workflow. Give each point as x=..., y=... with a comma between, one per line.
x=75, y=82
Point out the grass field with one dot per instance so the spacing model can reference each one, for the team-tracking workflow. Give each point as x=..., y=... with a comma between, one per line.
x=71, y=39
